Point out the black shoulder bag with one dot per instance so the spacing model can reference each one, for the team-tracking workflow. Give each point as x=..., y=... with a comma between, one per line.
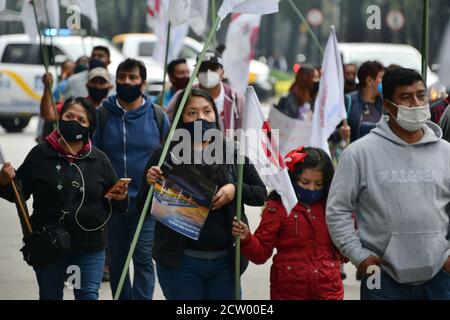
x=51, y=241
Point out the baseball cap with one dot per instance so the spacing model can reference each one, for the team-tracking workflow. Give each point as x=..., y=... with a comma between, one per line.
x=99, y=73
x=212, y=57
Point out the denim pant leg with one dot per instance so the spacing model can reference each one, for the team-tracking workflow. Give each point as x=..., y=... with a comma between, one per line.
x=389, y=289
x=185, y=283
x=220, y=280
x=91, y=272
x=144, y=272
x=118, y=247
x=51, y=280
x=437, y=288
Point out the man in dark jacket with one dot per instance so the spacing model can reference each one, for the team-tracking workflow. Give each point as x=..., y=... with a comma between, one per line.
x=364, y=107
x=128, y=135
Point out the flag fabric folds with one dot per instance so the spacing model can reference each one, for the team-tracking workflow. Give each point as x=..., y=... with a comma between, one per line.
x=329, y=108
x=247, y=6
x=238, y=54
x=259, y=143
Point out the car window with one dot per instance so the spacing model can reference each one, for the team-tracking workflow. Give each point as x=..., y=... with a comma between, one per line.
x=146, y=49
x=28, y=54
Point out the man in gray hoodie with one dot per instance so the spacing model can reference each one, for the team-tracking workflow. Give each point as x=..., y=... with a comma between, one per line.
x=396, y=180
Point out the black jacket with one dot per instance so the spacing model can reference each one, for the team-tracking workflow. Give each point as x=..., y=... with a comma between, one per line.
x=47, y=176
x=169, y=245
x=288, y=105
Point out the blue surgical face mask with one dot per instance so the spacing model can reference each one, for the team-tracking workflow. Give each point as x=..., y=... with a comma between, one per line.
x=380, y=88
x=205, y=126
x=307, y=196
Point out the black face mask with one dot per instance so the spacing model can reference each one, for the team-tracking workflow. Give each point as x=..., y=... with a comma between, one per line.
x=205, y=125
x=72, y=131
x=128, y=93
x=95, y=63
x=315, y=88
x=97, y=94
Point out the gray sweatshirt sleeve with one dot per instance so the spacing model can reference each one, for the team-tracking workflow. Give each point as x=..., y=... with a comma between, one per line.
x=341, y=206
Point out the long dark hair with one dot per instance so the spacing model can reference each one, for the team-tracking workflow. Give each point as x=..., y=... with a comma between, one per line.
x=303, y=84
x=216, y=172
x=316, y=159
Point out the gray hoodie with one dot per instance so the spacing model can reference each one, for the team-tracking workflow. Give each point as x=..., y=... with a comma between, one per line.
x=399, y=193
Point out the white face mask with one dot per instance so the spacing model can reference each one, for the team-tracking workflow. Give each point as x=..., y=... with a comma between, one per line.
x=412, y=118
x=209, y=79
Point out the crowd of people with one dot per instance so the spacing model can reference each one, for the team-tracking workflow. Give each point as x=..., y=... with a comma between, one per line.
x=384, y=205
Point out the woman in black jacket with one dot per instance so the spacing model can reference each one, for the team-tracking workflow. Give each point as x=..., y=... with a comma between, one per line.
x=69, y=180
x=202, y=269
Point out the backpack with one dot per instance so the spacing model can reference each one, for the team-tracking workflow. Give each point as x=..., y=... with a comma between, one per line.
x=103, y=115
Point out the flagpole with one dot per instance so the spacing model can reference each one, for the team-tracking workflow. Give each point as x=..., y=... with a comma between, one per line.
x=237, y=266
x=166, y=57
x=213, y=20
x=162, y=158
x=45, y=58
x=53, y=51
x=425, y=30
x=310, y=31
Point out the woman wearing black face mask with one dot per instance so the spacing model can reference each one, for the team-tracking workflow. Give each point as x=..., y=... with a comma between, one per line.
x=70, y=181
x=179, y=260
x=299, y=102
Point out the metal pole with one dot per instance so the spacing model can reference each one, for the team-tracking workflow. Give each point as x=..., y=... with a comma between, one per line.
x=425, y=29
x=237, y=267
x=166, y=57
x=310, y=31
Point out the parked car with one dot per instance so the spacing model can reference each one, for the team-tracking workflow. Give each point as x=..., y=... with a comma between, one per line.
x=387, y=54
x=22, y=67
x=141, y=46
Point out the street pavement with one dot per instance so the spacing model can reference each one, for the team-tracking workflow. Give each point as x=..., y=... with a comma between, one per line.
x=17, y=279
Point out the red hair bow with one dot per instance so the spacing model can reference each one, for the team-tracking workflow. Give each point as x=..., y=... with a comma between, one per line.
x=295, y=156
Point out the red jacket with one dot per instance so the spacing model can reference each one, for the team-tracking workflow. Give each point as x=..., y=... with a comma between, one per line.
x=306, y=265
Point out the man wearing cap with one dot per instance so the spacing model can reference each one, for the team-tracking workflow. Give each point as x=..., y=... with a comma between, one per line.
x=229, y=103
x=98, y=86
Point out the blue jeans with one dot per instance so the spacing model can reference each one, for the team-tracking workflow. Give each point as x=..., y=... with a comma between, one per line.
x=438, y=288
x=198, y=279
x=121, y=230
x=52, y=277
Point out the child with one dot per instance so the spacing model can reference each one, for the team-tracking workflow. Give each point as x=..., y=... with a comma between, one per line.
x=307, y=264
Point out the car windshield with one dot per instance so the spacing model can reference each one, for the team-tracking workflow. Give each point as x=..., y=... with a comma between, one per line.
x=404, y=59
x=83, y=47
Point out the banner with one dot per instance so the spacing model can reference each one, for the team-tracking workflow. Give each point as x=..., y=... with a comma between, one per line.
x=329, y=109
x=238, y=54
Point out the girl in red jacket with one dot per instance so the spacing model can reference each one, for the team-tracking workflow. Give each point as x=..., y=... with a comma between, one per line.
x=307, y=264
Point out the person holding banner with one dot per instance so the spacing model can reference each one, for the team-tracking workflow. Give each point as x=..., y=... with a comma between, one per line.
x=70, y=182
x=203, y=269
x=307, y=264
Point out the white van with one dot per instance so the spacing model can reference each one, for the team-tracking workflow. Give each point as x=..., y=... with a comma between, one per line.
x=401, y=54
x=141, y=46
x=21, y=70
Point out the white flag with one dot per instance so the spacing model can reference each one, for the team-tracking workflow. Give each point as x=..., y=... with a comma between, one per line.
x=158, y=21
x=444, y=66
x=199, y=16
x=246, y=6
x=260, y=146
x=2, y=5
x=238, y=54
x=47, y=13
x=329, y=108
x=87, y=8
x=179, y=11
